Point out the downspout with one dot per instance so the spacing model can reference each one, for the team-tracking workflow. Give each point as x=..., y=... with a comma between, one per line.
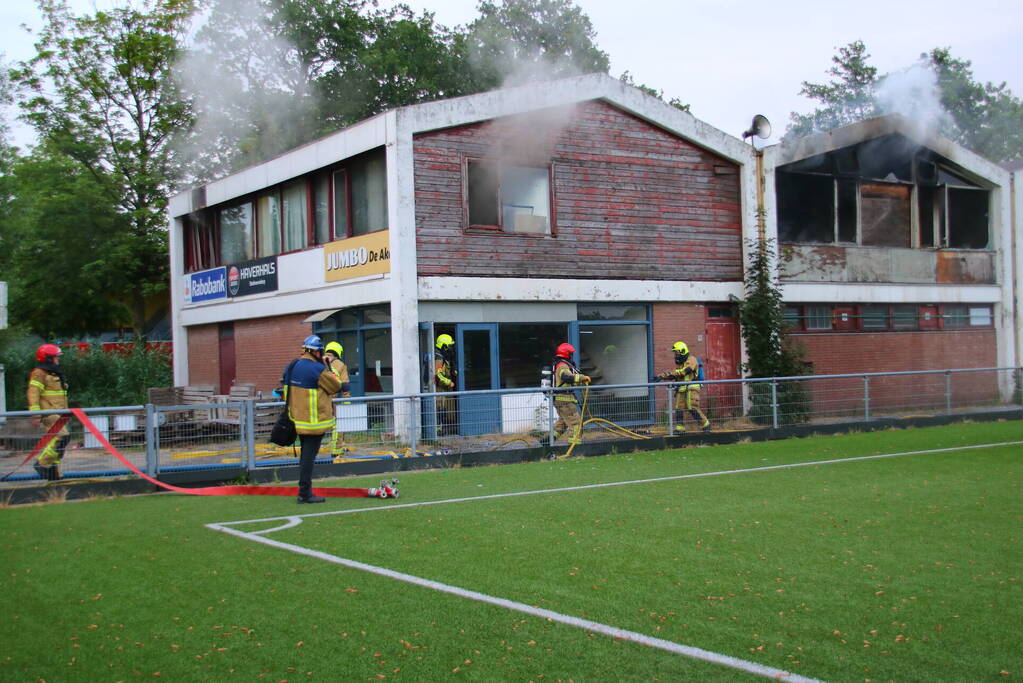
x=761, y=223
x=1016, y=274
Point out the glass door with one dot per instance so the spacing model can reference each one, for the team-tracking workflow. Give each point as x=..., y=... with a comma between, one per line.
x=476, y=346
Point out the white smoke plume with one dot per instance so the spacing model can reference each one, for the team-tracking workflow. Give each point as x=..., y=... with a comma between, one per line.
x=913, y=93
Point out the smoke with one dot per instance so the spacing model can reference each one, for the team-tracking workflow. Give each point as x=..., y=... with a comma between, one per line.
x=913, y=93
x=249, y=91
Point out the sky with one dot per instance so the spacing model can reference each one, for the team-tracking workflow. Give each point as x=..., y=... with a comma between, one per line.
x=729, y=59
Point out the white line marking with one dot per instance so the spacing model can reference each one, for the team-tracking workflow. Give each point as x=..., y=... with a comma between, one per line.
x=582, y=487
x=610, y=631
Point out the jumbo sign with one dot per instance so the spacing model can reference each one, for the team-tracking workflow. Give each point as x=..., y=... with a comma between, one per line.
x=358, y=256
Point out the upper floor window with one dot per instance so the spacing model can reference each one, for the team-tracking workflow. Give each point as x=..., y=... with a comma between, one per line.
x=512, y=199
x=360, y=196
x=237, y=241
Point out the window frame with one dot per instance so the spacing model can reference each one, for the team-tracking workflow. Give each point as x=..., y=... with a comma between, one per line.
x=498, y=229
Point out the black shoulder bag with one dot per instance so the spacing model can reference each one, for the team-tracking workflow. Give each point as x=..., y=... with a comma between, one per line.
x=283, y=432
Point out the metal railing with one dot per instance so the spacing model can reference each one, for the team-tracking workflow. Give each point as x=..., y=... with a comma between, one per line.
x=161, y=439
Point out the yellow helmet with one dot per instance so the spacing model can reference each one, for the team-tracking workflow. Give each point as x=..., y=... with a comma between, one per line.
x=444, y=340
x=680, y=347
x=335, y=348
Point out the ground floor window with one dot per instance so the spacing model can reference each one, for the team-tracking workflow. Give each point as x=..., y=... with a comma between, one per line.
x=887, y=317
x=365, y=335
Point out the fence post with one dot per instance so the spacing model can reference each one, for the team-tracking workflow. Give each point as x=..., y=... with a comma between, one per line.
x=413, y=423
x=152, y=440
x=248, y=427
x=671, y=409
x=866, y=397
x=948, y=391
x=550, y=415
x=774, y=403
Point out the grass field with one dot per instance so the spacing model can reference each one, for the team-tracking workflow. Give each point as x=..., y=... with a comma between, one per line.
x=902, y=568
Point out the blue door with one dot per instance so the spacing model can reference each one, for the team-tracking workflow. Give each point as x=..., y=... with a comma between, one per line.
x=478, y=370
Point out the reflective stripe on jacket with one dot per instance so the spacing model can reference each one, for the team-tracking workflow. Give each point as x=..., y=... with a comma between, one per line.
x=687, y=372
x=308, y=394
x=565, y=375
x=45, y=392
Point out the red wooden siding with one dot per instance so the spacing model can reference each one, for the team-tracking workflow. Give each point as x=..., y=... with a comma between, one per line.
x=630, y=200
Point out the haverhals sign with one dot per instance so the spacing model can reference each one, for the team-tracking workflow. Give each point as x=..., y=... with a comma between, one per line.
x=252, y=277
x=206, y=285
x=357, y=256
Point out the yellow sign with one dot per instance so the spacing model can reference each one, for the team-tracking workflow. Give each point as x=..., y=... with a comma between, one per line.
x=357, y=256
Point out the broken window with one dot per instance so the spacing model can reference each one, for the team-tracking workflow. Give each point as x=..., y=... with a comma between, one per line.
x=967, y=218
x=885, y=219
x=805, y=207
x=514, y=199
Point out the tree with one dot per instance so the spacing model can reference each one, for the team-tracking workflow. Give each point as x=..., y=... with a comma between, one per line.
x=99, y=93
x=516, y=41
x=848, y=97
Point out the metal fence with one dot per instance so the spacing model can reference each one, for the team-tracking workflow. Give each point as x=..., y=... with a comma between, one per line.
x=161, y=439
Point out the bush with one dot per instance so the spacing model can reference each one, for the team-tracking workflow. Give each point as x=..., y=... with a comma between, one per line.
x=95, y=377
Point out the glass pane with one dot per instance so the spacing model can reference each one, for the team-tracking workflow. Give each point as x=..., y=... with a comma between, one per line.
x=611, y=312
x=905, y=317
x=321, y=216
x=875, y=317
x=376, y=315
x=818, y=317
x=269, y=225
x=476, y=347
x=295, y=212
x=236, y=233
x=525, y=200
x=792, y=318
x=525, y=350
x=980, y=316
x=954, y=316
x=340, y=206
x=482, y=183
x=379, y=374
x=368, y=179
x=616, y=354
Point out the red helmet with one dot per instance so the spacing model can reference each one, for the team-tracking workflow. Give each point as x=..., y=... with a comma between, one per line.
x=46, y=351
x=565, y=351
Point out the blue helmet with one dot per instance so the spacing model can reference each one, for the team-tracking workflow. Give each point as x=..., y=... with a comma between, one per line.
x=313, y=342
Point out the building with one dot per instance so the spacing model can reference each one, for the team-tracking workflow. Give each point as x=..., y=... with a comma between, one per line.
x=585, y=211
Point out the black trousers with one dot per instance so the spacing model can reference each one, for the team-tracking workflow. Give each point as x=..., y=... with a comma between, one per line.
x=310, y=449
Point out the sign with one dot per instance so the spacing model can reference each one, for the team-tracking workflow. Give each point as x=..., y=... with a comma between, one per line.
x=357, y=256
x=206, y=285
x=252, y=277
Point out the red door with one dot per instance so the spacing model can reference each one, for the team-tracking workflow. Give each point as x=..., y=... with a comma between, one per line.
x=227, y=367
x=722, y=362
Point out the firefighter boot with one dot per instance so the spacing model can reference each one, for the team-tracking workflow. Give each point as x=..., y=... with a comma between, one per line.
x=41, y=470
x=53, y=473
x=305, y=495
x=706, y=426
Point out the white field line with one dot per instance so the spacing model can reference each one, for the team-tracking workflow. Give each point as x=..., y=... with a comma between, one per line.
x=765, y=468
x=590, y=626
x=685, y=650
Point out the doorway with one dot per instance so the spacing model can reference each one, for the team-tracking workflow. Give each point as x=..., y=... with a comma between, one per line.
x=477, y=371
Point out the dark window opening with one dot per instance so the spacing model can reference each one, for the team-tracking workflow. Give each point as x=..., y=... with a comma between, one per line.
x=967, y=219
x=805, y=207
x=886, y=219
x=513, y=199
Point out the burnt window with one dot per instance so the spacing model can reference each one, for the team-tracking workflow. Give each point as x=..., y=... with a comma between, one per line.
x=202, y=249
x=512, y=199
x=967, y=218
x=805, y=207
x=885, y=219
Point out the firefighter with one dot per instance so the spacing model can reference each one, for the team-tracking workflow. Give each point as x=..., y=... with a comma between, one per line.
x=687, y=398
x=332, y=355
x=308, y=395
x=47, y=390
x=566, y=374
x=444, y=379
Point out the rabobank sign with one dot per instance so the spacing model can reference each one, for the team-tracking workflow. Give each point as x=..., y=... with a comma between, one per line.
x=206, y=286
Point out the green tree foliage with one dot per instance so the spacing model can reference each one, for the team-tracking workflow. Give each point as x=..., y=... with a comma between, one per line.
x=529, y=40
x=983, y=117
x=770, y=352
x=99, y=93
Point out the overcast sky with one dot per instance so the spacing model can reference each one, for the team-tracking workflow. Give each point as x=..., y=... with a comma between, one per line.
x=731, y=59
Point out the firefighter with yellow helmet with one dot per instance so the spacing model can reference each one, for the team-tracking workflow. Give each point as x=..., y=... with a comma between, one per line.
x=687, y=398
x=47, y=390
x=333, y=352
x=444, y=380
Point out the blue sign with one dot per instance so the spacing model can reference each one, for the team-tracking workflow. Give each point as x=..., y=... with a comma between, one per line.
x=207, y=285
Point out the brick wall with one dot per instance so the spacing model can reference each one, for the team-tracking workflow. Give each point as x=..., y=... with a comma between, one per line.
x=203, y=355
x=630, y=200
x=262, y=348
x=677, y=322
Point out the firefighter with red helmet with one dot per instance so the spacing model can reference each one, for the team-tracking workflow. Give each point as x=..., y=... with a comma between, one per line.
x=687, y=398
x=566, y=374
x=47, y=390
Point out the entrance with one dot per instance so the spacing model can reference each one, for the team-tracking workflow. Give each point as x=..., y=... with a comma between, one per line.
x=478, y=370
x=722, y=362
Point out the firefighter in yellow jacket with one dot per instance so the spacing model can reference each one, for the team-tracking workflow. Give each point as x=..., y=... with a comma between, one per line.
x=687, y=398
x=47, y=390
x=332, y=356
x=444, y=380
x=566, y=374
x=308, y=393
